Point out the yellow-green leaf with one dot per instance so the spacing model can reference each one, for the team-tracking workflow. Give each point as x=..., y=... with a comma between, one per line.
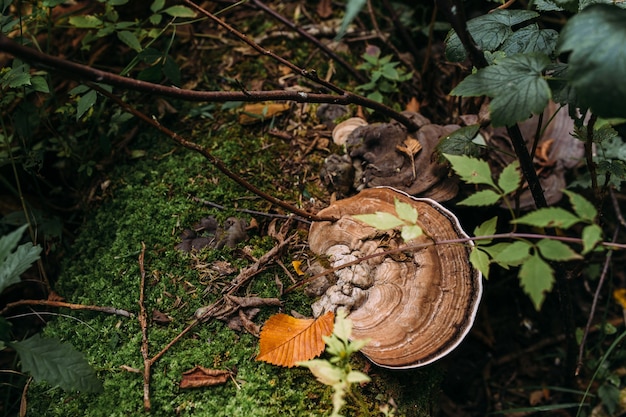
x=536, y=279
x=405, y=211
x=591, y=236
x=380, y=220
x=556, y=251
x=549, y=217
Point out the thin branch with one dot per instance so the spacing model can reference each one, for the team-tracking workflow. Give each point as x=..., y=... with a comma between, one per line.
x=591, y=166
x=208, y=155
x=311, y=39
x=79, y=72
x=143, y=322
x=62, y=304
x=596, y=296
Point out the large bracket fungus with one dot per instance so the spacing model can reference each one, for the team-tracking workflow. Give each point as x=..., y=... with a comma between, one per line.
x=415, y=306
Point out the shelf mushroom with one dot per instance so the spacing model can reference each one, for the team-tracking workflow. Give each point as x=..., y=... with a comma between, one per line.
x=415, y=306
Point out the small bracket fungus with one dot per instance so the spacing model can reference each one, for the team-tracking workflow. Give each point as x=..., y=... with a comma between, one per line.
x=415, y=306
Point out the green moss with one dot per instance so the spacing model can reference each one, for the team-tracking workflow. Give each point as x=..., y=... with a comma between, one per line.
x=149, y=202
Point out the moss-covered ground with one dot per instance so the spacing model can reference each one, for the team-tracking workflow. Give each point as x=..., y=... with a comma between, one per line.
x=148, y=200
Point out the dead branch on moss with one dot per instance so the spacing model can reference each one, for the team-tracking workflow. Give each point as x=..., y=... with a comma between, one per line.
x=143, y=322
x=62, y=304
x=216, y=162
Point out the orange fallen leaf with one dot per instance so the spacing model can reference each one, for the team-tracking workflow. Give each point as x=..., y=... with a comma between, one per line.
x=203, y=377
x=296, y=266
x=413, y=105
x=286, y=340
x=620, y=296
x=258, y=112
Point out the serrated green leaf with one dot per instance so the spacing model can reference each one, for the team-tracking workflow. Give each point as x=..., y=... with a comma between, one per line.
x=405, y=211
x=461, y=142
x=171, y=70
x=548, y=217
x=343, y=326
x=596, y=37
x=85, y=22
x=536, y=279
x=488, y=31
x=510, y=178
x=471, y=170
x=516, y=84
x=57, y=363
x=486, y=228
x=324, y=371
x=513, y=254
x=481, y=198
x=592, y=235
x=179, y=11
x=409, y=233
x=129, y=39
x=9, y=241
x=17, y=263
x=480, y=261
x=530, y=39
x=85, y=102
x=555, y=250
x=40, y=84
x=380, y=220
x=356, y=377
x=495, y=250
x=582, y=207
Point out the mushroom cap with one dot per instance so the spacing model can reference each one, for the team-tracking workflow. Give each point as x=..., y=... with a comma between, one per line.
x=422, y=301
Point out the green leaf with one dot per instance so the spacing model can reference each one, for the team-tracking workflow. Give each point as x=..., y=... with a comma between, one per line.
x=157, y=5
x=555, y=250
x=513, y=254
x=480, y=261
x=171, y=70
x=343, y=326
x=179, y=11
x=488, y=31
x=129, y=39
x=85, y=22
x=353, y=7
x=380, y=220
x=471, y=170
x=356, y=377
x=461, y=142
x=14, y=259
x=516, y=84
x=548, y=217
x=481, y=198
x=582, y=207
x=495, y=250
x=536, y=279
x=405, y=211
x=596, y=37
x=409, y=233
x=85, y=102
x=39, y=84
x=486, y=228
x=592, y=235
x=510, y=178
x=57, y=363
x=324, y=371
x=531, y=39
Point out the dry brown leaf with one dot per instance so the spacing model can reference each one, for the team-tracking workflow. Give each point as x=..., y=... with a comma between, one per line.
x=413, y=105
x=203, y=377
x=258, y=112
x=324, y=9
x=286, y=340
x=411, y=148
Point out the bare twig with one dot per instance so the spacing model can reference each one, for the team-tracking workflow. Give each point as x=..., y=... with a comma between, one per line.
x=596, y=296
x=143, y=322
x=204, y=152
x=62, y=304
x=80, y=72
x=591, y=166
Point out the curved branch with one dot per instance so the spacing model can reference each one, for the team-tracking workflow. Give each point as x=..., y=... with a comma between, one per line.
x=81, y=72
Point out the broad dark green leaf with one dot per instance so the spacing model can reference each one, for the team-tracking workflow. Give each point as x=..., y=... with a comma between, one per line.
x=157, y=5
x=85, y=21
x=592, y=235
x=57, y=363
x=595, y=39
x=17, y=263
x=9, y=242
x=513, y=254
x=488, y=31
x=530, y=39
x=480, y=261
x=129, y=39
x=536, y=279
x=40, y=84
x=516, y=84
x=548, y=217
x=510, y=178
x=461, y=142
x=486, y=228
